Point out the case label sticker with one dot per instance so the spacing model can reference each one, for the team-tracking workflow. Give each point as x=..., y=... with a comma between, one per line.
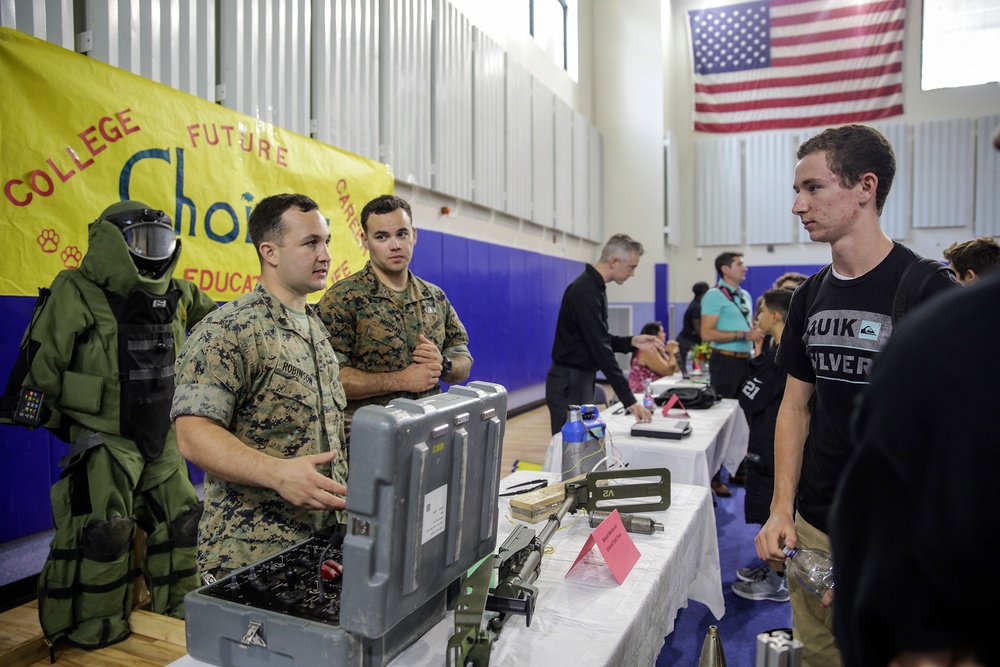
x=435, y=513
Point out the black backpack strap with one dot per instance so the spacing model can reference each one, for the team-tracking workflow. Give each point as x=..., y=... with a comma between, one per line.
x=811, y=286
x=912, y=283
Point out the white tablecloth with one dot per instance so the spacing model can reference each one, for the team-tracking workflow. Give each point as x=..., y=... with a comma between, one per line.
x=577, y=623
x=582, y=624
x=719, y=436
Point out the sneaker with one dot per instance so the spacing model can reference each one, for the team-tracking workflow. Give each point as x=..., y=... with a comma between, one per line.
x=773, y=586
x=753, y=573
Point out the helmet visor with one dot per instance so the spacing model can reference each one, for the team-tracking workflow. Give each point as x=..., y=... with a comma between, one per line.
x=150, y=240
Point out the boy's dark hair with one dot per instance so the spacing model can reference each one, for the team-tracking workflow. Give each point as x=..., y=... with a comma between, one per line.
x=979, y=255
x=852, y=151
x=725, y=259
x=777, y=300
x=384, y=204
x=699, y=289
x=265, y=219
x=795, y=276
x=651, y=328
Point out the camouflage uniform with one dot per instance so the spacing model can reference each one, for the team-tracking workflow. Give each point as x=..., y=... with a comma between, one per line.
x=375, y=330
x=251, y=367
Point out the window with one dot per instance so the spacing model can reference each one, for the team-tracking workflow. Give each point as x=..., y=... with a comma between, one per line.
x=553, y=24
x=959, y=43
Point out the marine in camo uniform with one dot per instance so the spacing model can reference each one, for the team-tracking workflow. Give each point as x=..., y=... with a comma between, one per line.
x=259, y=401
x=395, y=335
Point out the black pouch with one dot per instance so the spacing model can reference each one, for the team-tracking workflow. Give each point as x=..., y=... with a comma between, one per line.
x=693, y=398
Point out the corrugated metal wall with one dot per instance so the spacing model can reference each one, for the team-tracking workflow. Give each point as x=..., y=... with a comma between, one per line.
x=543, y=145
x=943, y=173
x=172, y=42
x=451, y=110
x=563, y=136
x=719, y=192
x=987, y=177
x=581, y=176
x=596, y=177
x=769, y=163
x=265, y=61
x=896, y=213
x=517, y=136
x=51, y=20
x=405, y=93
x=488, y=112
x=345, y=75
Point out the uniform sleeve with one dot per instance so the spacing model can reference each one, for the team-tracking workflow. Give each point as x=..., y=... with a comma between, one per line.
x=456, y=337
x=210, y=376
x=340, y=321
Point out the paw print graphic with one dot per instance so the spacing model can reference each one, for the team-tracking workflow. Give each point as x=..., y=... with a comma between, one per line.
x=71, y=257
x=49, y=240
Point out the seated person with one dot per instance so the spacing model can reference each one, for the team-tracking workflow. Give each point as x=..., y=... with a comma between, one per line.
x=652, y=363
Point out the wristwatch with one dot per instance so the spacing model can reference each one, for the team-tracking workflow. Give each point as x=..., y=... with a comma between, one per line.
x=445, y=366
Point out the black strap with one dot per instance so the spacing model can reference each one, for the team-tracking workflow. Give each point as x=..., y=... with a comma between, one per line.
x=912, y=284
x=742, y=306
x=909, y=291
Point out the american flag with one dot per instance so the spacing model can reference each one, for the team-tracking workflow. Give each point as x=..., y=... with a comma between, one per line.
x=776, y=64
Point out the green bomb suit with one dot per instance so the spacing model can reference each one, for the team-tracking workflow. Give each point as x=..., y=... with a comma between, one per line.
x=102, y=347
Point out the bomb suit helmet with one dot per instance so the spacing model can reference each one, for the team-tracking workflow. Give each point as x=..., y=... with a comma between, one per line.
x=149, y=234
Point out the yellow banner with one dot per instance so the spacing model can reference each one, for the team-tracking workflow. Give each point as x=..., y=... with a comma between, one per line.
x=77, y=135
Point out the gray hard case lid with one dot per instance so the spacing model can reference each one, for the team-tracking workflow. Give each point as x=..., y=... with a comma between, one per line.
x=422, y=508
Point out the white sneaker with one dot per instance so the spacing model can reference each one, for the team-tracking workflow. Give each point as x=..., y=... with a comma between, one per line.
x=772, y=586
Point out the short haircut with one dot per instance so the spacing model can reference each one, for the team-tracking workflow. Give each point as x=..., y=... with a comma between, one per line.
x=384, y=204
x=652, y=328
x=979, y=255
x=777, y=300
x=621, y=246
x=265, y=222
x=725, y=259
x=853, y=151
x=699, y=289
x=794, y=276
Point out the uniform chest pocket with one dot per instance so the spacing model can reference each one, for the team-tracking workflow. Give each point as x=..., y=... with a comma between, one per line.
x=285, y=417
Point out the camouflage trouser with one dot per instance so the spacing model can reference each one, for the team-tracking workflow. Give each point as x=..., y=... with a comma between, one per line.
x=85, y=588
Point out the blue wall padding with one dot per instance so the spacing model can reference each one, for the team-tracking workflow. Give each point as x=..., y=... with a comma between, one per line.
x=661, y=305
x=761, y=278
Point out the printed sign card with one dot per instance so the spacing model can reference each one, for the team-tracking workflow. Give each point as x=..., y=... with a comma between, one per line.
x=615, y=545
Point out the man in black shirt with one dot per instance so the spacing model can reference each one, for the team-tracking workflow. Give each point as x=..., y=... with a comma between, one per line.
x=690, y=334
x=583, y=345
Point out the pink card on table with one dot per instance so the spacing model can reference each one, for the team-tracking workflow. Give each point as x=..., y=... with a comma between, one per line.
x=615, y=544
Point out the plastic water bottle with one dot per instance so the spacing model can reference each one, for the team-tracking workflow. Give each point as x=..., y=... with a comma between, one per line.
x=647, y=395
x=813, y=568
x=574, y=441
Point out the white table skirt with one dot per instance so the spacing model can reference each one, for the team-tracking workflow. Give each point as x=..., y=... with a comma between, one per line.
x=577, y=623
x=719, y=436
x=583, y=624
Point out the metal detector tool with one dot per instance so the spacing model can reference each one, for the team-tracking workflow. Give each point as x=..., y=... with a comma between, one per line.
x=480, y=619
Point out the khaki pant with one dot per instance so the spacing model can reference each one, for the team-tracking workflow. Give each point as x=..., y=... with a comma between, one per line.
x=811, y=624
